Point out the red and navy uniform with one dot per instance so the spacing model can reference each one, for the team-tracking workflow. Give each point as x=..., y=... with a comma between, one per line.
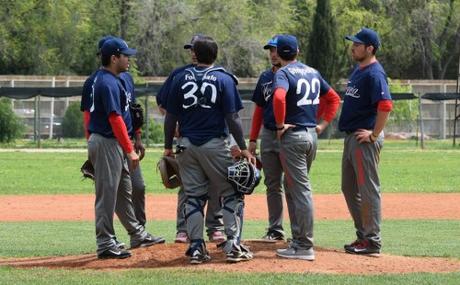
x=201, y=97
x=109, y=96
x=162, y=94
x=304, y=86
x=126, y=90
x=263, y=97
x=365, y=89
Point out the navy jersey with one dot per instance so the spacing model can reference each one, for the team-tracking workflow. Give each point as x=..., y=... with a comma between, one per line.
x=127, y=95
x=166, y=87
x=263, y=97
x=86, y=100
x=304, y=86
x=109, y=95
x=365, y=88
x=201, y=97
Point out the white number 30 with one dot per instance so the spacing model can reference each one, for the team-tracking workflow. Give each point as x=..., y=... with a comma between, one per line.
x=312, y=88
x=194, y=89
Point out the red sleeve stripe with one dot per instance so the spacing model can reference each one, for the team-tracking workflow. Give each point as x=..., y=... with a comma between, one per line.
x=86, y=118
x=385, y=106
x=257, y=119
x=279, y=105
x=120, y=132
x=332, y=101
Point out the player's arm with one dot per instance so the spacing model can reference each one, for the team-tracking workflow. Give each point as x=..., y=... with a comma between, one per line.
x=169, y=130
x=86, y=119
x=121, y=134
x=381, y=95
x=328, y=106
x=138, y=145
x=256, y=125
x=173, y=107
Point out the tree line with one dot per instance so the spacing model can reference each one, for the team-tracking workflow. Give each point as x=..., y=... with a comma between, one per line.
x=420, y=38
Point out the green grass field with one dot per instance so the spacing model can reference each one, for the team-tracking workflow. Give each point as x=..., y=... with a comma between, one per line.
x=404, y=168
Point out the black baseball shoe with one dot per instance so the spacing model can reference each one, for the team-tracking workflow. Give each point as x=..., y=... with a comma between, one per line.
x=351, y=245
x=198, y=253
x=273, y=235
x=119, y=245
x=115, y=253
x=238, y=255
x=149, y=240
x=364, y=247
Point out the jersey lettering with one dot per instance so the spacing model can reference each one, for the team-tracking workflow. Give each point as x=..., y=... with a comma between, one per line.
x=92, y=95
x=312, y=88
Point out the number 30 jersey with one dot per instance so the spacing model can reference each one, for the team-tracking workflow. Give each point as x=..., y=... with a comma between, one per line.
x=304, y=85
x=201, y=97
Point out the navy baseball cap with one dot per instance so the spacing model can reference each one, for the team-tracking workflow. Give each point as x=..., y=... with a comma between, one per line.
x=366, y=36
x=193, y=40
x=101, y=43
x=287, y=45
x=271, y=43
x=116, y=46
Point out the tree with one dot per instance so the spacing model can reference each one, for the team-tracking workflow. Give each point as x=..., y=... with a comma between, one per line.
x=301, y=25
x=11, y=126
x=72, y=123
x=322, y=45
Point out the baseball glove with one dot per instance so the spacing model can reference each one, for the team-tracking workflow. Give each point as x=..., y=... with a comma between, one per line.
x=137, y=115
x=169, y=170
x=87, y=170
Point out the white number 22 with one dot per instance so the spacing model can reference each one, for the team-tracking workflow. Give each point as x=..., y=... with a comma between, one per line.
x=312, y=88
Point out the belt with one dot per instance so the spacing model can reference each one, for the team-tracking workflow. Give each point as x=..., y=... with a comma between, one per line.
x=303, y=128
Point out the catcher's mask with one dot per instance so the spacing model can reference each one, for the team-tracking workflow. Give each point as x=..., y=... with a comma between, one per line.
x=243, y=176
x=169, y=171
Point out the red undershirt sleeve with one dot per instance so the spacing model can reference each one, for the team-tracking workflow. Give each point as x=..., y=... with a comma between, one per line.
x=385, y=106
x=120, y=132
x=257, y=119
x=86, y=118
x=332, y=102
x=279, y=105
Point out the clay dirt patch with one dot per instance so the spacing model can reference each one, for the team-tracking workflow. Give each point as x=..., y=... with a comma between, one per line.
x=171, y=256
x=17, y=208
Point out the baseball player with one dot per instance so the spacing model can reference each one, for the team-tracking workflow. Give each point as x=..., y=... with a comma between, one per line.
x=269, y=147
x=366, y=107
x=108, y=147
x=297, y=88
x=214, y=222
x=206, y=104
x=138, y=185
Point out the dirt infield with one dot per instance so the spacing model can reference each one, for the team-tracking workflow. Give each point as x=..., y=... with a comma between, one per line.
x=327, y=261
x=163, y=207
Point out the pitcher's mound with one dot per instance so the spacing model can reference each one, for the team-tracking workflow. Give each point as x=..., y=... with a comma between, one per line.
x=265, y=260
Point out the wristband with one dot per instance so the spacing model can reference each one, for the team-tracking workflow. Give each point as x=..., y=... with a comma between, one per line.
x=280, y=129
x=373, y=137
x=253, y=141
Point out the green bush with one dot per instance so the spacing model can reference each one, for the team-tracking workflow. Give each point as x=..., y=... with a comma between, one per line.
x=156, y=134
x=404, y=111
x=72, y=123
x=11, y=126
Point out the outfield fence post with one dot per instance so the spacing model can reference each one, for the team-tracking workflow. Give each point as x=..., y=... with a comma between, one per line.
x=422, y=135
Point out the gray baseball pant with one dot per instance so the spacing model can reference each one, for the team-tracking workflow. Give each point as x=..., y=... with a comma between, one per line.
x=297, y=152
x=213, y=220
x=138, y=184
x=113, y=192
x=361, y=186
x=273, y=172
x=204, y=169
